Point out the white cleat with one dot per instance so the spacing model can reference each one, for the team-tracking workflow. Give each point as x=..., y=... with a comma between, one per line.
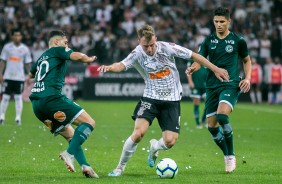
x=88, y=172
x=68, y=159
x=152, y=157
x=116, y=172
x=230, y=163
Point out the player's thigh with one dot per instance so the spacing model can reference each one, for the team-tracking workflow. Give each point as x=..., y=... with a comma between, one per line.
x=84, y=117
x=57, y=112
x=228, y=98
x=212, y=100
x=169, y=116
x=146, y=109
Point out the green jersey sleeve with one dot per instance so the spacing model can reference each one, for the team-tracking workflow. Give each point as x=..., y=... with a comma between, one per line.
x=242, y=48
x=33, y=68
x=62, y=52
x=203, y=49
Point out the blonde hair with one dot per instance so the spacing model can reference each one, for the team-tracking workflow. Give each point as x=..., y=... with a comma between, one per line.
x=146, y=31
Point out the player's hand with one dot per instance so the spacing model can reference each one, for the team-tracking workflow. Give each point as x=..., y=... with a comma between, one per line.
x=222, y=74
x=103, y=68
x=92, y=59
x=190, y=70
x=245, y=85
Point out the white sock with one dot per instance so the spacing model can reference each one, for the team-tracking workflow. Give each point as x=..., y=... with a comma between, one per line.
x=129, y=148
x=259, y=97
x=4, y=105
x=253, y=98
x=160, y=145
x=19, y=106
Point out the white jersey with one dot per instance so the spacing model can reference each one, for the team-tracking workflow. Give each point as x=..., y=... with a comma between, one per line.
x=159, y=71
x=16, y=57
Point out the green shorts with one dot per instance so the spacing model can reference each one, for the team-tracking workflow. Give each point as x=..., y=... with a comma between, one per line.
x=56, y=112
x=198, y=93
x=224, y=94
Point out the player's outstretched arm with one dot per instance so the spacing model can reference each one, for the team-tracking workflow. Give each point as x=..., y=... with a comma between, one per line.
x=78, y=56
x=115, y=67
x=220, y=73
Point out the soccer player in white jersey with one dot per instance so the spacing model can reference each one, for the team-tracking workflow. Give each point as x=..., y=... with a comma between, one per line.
x=15, y=58
x=155, y=61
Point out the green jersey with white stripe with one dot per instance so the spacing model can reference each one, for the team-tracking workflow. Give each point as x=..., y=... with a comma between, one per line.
x=49, y=71
x=224, y=53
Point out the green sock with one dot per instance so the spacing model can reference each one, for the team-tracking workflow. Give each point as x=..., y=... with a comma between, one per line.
x=196, y=114
x=204, y=116
x=81, y=133
x=223, y=120
x=218, y=139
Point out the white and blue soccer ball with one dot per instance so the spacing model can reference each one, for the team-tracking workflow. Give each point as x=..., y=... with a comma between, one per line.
x=167, y=168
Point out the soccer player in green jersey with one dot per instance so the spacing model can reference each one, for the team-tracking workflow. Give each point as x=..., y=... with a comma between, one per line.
x=224, y=49
x=197, y=84
x=53, y=108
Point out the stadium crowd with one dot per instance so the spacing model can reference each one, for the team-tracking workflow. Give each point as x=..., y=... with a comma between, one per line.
x=106, y=28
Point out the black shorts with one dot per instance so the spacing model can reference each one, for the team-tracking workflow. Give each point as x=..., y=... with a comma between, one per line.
x=274, y=88
x=12, y=87
x=167, y=113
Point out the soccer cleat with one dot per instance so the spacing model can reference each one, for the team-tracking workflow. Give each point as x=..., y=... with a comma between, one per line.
x=116, y=172
x=1, y=121
x=230, y=163
x=68, y=159
x=152, y=157
x=199, y=126
x=88, y=172
x=18, y=122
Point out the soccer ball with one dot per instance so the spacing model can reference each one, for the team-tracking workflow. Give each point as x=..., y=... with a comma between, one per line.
x=166, y=168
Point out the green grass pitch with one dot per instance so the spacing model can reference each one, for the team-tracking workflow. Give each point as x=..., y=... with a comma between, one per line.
x=29, y=153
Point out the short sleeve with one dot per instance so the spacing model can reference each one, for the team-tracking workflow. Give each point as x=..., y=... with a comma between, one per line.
x=203, y=49
x=130, y=60
x=242, y=48
x=4, y=53
x=62, y=52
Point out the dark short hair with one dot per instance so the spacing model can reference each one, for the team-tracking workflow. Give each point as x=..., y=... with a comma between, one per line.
x=56, y=33
x=221, y=11
x=15, y=30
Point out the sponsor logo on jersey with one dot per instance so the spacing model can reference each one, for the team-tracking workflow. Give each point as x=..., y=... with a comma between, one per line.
x=214, y=41
x=228, y=48
x=160, y=74
x=229, y=42
x=14, y=59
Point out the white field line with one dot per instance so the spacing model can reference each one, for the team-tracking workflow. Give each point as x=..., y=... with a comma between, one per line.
x=258, y=108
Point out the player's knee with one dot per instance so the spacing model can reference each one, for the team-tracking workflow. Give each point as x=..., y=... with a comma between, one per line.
x=137, y=135
x=223, y=120
x=170, y=141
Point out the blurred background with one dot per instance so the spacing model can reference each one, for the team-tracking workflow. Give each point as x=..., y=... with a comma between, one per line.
x=107, y=29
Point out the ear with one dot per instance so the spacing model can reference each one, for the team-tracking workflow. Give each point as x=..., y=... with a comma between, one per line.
x=56, y=41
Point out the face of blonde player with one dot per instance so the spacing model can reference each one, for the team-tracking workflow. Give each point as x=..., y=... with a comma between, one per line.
x=149, y=46
x=221, y=24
